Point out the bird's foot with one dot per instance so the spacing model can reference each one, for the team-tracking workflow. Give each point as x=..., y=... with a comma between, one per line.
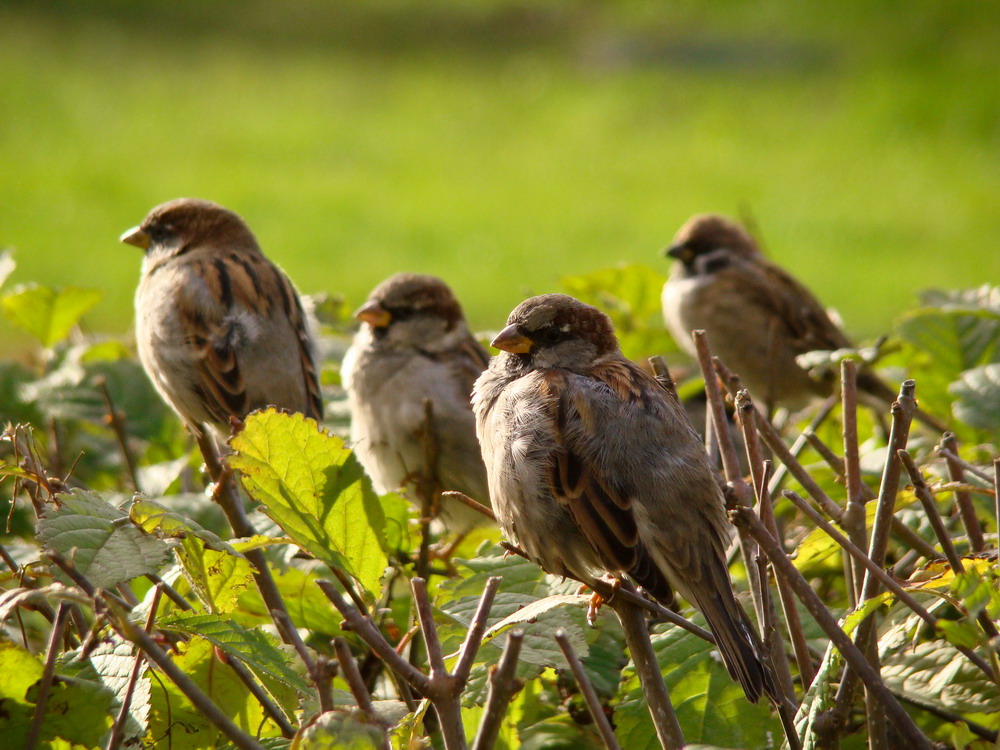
x=597, y=600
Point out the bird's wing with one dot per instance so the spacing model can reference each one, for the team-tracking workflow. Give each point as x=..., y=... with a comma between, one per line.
x=215, y=331
x=795, y=307
x=601, y=508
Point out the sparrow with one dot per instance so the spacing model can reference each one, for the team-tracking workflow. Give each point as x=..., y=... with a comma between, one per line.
x=595, y=470
x=414, y=345
x=758, y=318
x=220, y=329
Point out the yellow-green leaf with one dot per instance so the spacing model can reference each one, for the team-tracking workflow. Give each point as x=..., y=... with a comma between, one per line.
x=46, y=313
x=313, y=487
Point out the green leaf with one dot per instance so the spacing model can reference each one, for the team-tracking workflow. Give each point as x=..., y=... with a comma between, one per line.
x=977, y=394
x=313, y=487
x=953, y=332
x=306, y=604
x=934, y=672
x=218, y=577
x=100, y=540
x=76, y=711
x=630, y=295
x=341, y=730
x=259, y=650
x=711, y=708
x=112, y=662
x=819, y=698
x=46, y=313
x=175, y=723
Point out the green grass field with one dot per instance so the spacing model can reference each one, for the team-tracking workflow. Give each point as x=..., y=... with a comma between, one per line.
x=503, y=146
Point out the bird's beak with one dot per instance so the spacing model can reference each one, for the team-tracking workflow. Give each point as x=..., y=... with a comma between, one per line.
x=680, y=252
x=373, y=314
x=135, y=236
x=510, y=339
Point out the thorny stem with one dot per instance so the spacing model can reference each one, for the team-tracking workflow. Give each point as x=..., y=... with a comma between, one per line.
x=661, y=710
x=962, y=498
x=185, y=684
x=116, y=420
x=474, y=504
x=352, y=675
x=477, y=627
x=258, y=692
x=318, y=668
x=854, y=657
x=435, y=657
x=800, y=442
x=854, y=515
x=772, y=438
x=364, y=628
x=232, y=506
x=48, y=673
x=972, y=469
x=731, y=468
x=502, y=685
x=884, y=578
x=760, y=471
x=118, y=730
x=590, y=696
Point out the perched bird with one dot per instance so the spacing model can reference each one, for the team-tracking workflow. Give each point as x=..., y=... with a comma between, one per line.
x=414, y=345
x=220, y=329
x=757, y=317
x=594, y=469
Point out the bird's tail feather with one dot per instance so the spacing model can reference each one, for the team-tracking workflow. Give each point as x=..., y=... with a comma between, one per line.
x=740, y=646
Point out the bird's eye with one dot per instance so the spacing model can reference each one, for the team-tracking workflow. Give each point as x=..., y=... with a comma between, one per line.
x=157, y=232
x=549, y=336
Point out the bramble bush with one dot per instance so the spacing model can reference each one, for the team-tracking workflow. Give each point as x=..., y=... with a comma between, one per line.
x=133, y=616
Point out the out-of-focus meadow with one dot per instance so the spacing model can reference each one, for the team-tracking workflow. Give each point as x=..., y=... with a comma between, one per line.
x=503, y=144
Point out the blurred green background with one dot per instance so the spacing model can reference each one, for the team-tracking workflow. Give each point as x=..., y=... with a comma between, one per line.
x=503, y=145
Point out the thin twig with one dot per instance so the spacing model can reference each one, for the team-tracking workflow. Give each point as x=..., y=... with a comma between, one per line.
x=118, y=730
x=661, y=710
x=116, y=420
x=962, y=498
x=731, y=469
x=422, y=602
x=590, y=696
x=202, y=703
x=854, y=657
x=318, y=668
x=824, y=411
x=352, y=675
x=730, y=460
x=902, y=411
x=503, y=683
x=772, y=438
x=854, y=514
x=474, y=504
x=477, y=627
x=364, y=628
x=971, y=468
x=884, y=578
x=172, y=594
x=258, y=692
x=48, y=673
x=228, y=499
x=760, y=471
